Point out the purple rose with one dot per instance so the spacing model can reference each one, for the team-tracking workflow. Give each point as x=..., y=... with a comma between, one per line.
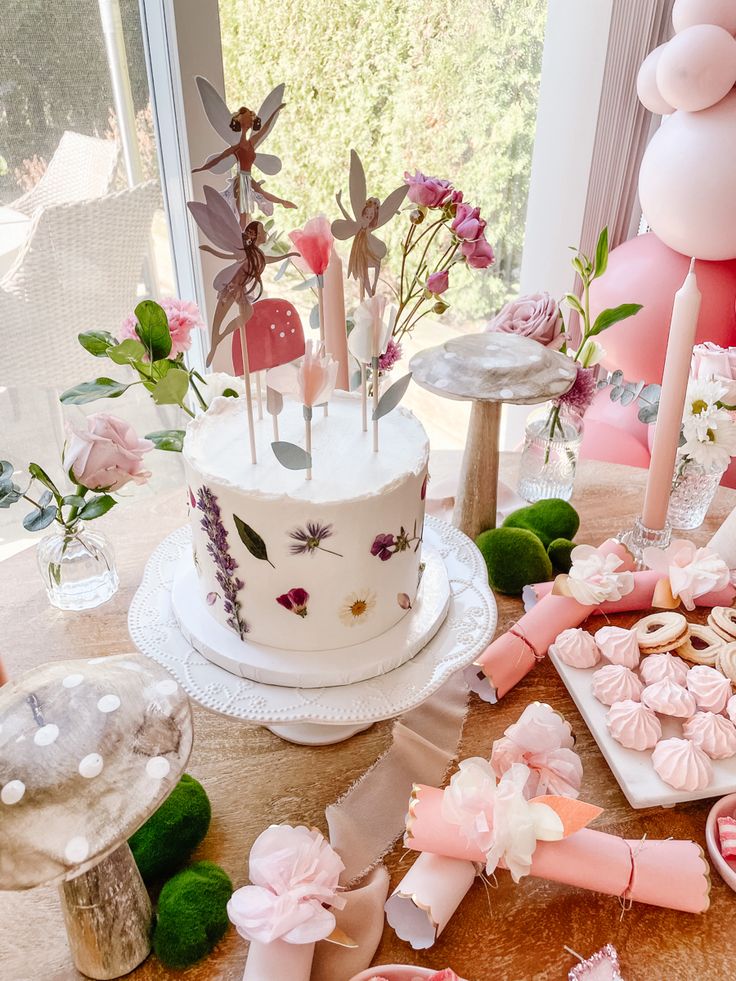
x=467, y=223
x=478, y=254
x=428, y=192
x=383, y=546
x=537, y=316
x=438, y=282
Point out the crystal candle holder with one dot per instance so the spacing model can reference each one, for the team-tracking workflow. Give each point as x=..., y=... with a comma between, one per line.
x=639, y=537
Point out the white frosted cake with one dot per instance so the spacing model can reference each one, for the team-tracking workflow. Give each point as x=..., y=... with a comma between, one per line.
x=307, y=565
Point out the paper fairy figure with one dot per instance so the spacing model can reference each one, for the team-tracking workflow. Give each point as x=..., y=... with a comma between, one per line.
x=367, y=251
x=240, y=282
x=244, y=191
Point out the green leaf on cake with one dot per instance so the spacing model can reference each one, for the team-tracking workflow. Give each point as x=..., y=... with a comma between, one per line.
x=291, y=456
x=391, y=397
x=252, y=541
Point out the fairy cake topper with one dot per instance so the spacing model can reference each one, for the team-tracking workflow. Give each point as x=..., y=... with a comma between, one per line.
x=367, y=251
x=245, y=192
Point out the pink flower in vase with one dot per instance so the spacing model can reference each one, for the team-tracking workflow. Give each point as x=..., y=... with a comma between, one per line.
x=383, y=546
x=314, y=244
x=478, y=254
x=579, y=397
x=467, y=223
x=427, y=192
x=390, y=356
x=438, y=282
x=295, y=600
x=107, y=454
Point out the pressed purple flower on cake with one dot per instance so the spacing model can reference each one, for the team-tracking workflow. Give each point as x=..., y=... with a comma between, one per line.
x=307, y=540
x=295, y=600
x=218, y=548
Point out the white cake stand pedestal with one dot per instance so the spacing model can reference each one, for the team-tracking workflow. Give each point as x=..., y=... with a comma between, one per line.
x=319, y=716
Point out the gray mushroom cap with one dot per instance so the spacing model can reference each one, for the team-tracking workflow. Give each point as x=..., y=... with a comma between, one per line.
x=88, y=751
x=494, y=367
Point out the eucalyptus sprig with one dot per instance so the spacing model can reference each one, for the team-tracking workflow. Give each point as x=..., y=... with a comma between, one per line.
x=51, y=504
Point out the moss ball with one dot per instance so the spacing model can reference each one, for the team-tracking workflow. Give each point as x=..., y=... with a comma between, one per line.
x=559, y=553
x=192, y=914
x=548, y=520
x=514, y=557
x=168, y=838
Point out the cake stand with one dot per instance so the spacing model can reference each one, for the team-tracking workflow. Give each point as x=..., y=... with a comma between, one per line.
x=319, y=716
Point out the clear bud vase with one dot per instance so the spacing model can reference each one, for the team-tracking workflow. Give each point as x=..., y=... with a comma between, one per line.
x=550, y=454
x=77, y=567
x=693, y=489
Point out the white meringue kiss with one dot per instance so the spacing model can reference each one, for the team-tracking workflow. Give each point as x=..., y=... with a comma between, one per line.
x=669, y=698
x=576, y=648
x=655, y=667
x=616, y=683
x=715, y=735
x=634, y=725
x=711, y=689
x=682, y=764
x=618, y=645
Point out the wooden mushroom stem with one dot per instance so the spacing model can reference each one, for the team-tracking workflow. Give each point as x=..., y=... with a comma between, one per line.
x=108, y=916
x=477, y=492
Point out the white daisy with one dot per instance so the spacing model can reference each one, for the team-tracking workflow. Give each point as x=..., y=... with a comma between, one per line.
x=702, y=397
x=711, y=442
x=357, y=607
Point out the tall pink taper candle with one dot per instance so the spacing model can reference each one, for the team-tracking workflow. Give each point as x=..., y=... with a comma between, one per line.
x=336, y=337
x=672, y=401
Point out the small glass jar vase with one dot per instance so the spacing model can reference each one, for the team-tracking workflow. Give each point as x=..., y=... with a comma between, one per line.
x=693, y=490
x=77, y=567
x=550, y=454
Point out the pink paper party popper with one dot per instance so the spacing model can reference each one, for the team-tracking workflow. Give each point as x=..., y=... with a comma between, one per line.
x=512, y=655
x=671, y=874
x=641, y=598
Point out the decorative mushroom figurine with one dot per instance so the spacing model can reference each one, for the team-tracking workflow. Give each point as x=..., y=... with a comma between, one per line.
x=88, y=751
x=488, y=369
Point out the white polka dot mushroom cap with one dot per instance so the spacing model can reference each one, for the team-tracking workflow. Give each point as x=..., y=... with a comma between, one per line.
x=88, y=751
x=493, y=367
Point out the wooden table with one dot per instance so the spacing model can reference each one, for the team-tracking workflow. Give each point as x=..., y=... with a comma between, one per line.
x=509, y=933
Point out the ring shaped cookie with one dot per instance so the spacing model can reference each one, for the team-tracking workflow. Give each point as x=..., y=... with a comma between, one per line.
x=726, y=661
x=703, y=646
x=722, y=619
x=660, y=632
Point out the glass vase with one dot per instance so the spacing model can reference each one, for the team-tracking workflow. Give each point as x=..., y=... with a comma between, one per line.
x=77, y=567
x=693, y=490
x=550, y=454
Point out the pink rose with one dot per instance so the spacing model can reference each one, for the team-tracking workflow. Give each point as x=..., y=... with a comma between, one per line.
x=467, y=223
x=537, y=316
x=314, y=244
x=183, y=317
x=478, y=254
x=713, y=363
x=438, y=282
x=107, y=454
x=430, y=192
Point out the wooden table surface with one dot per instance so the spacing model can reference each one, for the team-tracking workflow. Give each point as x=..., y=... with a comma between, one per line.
x=253, y=778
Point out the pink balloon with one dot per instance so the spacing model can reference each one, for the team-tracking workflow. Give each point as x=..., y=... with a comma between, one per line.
x=687, y=181
x=687, y=13
x=646, y=84
x=643, y=270
x=697, y=68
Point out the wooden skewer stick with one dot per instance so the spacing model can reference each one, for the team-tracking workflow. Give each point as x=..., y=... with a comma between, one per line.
x=259, y=395
x=248, y=391
x=308, y=435
x=374, y=366
x=364, y=395
x=275, y=428
x=321, y=303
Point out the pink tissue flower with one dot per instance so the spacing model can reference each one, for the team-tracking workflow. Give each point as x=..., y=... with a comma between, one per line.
x=314, y=244
x=542, y=740
x=183, y=317
x=692, y=571
x=438, y=282
x=429, y=192
x=537, y=317
x=295, y=874
x=478, y=254
x=467, y=223
x=312, y=382
x=390, y=356
x=107, y=454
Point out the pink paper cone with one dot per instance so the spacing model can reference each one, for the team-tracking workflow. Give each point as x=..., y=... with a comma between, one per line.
x=671, y=874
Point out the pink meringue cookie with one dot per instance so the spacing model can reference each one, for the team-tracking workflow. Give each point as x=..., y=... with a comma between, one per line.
x=619, y=646
x=682, y=764
x=715, y=735
x=669, y=698
x=576, y=648
x=655, y=667
x=731, y=708
x=634, y=725
x=711, y=689
x=616, y=683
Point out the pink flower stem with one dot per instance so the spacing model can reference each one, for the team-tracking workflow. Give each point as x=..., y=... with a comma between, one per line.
x=307, y=409
x=427, y=230
x=248, y=392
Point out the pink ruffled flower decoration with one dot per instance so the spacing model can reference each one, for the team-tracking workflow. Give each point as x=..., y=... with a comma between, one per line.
x=295, y=874
x=467, y=223
x=390, y=356
x=183, y=317
x=314, y=244
x=107, y=455
x=478, y=254
x=692, y=571
x=427, y=192
x=438, y=282
x=542, y=740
